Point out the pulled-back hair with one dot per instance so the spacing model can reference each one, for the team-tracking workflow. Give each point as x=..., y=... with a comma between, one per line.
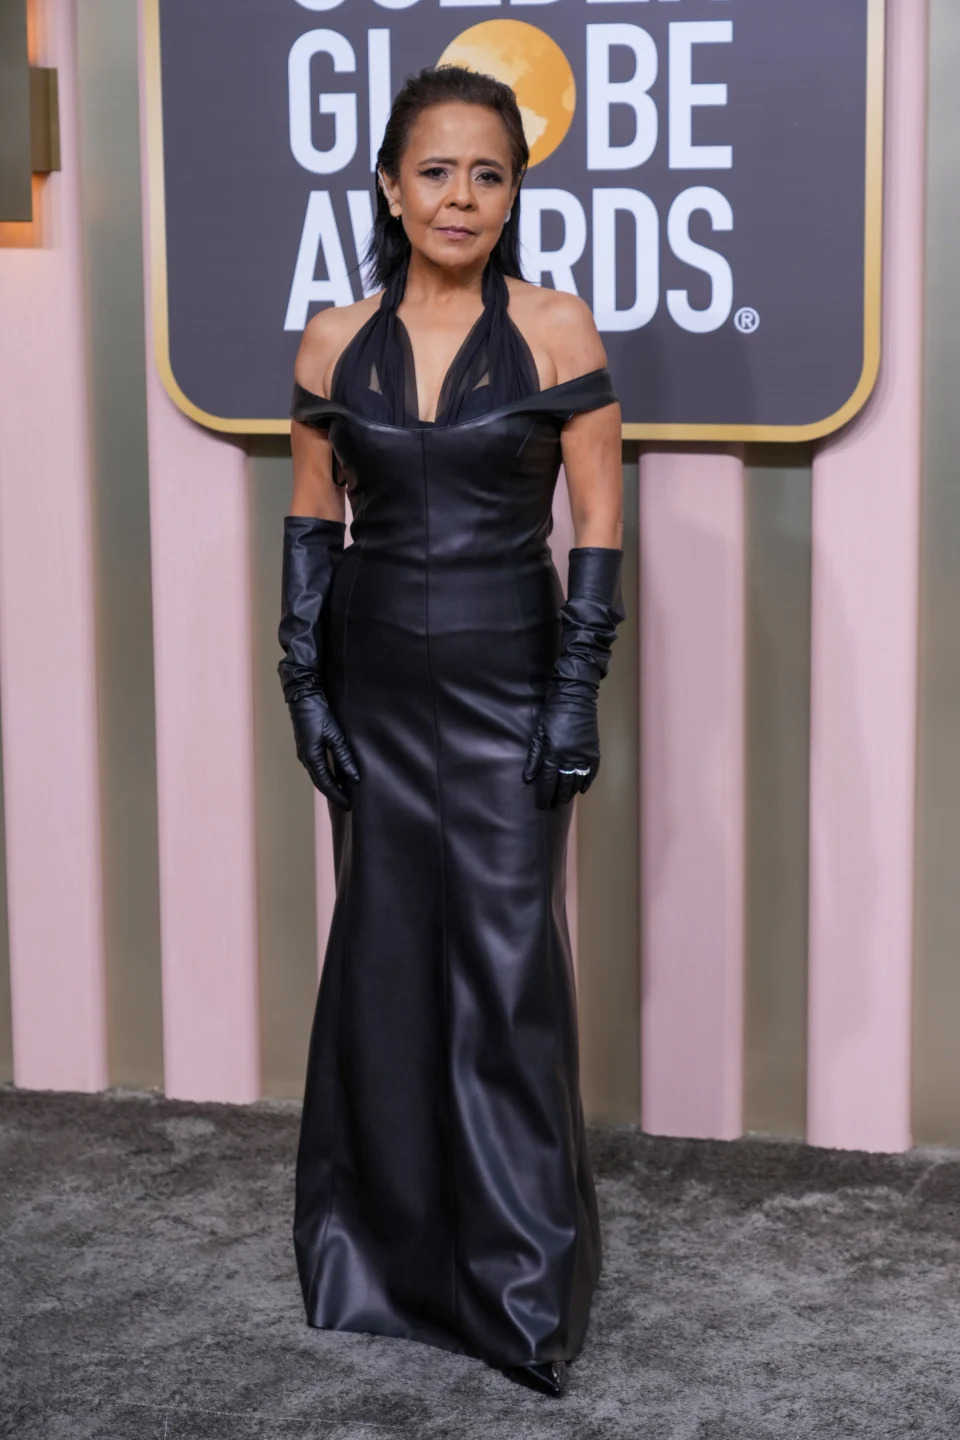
x=437, y=85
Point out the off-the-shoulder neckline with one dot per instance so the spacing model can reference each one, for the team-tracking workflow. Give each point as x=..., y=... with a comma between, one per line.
x=526, y=400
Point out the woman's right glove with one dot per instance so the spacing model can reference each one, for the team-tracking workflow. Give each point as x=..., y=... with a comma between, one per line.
x=564, y=753
x=312, y=550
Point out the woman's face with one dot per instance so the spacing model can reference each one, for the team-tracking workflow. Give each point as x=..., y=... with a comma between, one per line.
x=455, y=184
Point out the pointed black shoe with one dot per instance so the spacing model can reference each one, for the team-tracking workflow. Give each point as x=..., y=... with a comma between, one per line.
x=547, y=1376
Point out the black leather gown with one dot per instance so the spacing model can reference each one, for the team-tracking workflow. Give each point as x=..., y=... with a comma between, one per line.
x=444, y=1191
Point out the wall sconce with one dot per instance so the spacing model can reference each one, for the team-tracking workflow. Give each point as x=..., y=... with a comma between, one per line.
x=29, y=116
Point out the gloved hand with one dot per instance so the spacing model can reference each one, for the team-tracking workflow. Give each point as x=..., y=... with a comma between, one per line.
x=564, y=753
x=312, y=550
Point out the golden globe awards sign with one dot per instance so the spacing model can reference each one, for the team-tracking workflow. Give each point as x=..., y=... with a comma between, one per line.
x=705, y=173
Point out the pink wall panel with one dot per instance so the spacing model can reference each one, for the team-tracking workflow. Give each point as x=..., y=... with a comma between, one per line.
x=47, y=636
x=692, y=847
x=205, y=756
x=864, y=665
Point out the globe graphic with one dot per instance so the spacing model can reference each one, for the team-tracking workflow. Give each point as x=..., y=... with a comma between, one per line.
x=533, y=65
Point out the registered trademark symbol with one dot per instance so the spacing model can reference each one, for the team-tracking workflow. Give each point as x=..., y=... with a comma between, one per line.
x=747, y=320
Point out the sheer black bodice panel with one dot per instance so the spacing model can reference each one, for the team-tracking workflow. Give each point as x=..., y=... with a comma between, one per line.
x=376, y=375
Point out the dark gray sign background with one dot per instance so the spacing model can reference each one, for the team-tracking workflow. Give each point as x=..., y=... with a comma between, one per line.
x=796, y=72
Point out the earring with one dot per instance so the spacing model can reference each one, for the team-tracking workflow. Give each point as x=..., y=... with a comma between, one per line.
x=508, y=214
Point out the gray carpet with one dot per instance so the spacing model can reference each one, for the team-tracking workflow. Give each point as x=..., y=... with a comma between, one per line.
x=752, y=1290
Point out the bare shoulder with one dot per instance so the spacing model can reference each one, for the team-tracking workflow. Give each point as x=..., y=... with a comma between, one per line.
x=554, y=307
x=325, y=336
x=561, y=325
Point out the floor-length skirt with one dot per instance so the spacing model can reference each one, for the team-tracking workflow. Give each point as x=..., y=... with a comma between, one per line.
x=444, y=1191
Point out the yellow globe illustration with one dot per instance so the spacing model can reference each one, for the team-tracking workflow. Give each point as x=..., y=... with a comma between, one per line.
x=533, y=65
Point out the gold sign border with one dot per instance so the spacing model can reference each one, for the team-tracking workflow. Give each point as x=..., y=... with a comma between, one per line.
x=873, y=271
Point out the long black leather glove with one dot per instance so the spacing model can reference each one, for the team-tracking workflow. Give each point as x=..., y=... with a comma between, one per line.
x=312, y=551
x=564, y=754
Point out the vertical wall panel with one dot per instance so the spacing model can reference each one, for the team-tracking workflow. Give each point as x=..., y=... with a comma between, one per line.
x=866, y=488
x=286, y=863
x=692, y=840
x=113, y=256
x=200, y=547
x=47, y=642
x=936, y=1064
x=6, y=1023
x=609, y=866
x=777, y=787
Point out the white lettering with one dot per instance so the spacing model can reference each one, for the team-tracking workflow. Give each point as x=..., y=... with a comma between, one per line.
x=646, y=226
x=538, y=262
x=685, y=95
x=603, y=93
x=319, y=234
x=342, y=107
x=360, y=207
x=379, y=88
x=717, y=206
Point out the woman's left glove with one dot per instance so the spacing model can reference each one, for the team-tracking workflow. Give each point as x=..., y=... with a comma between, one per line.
x=564, y=753
x=312, y=551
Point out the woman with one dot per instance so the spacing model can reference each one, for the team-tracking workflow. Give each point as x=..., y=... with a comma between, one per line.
x=444, y=1191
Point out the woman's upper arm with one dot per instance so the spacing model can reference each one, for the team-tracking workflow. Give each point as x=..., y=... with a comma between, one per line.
x=591, y=439
x=592, y=462
x=314, y=491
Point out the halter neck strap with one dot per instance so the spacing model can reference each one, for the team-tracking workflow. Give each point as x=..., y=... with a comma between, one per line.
x=493, y=287
x=493, y=366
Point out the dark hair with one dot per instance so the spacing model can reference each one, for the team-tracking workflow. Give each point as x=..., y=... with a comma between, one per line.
x=436, y=85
